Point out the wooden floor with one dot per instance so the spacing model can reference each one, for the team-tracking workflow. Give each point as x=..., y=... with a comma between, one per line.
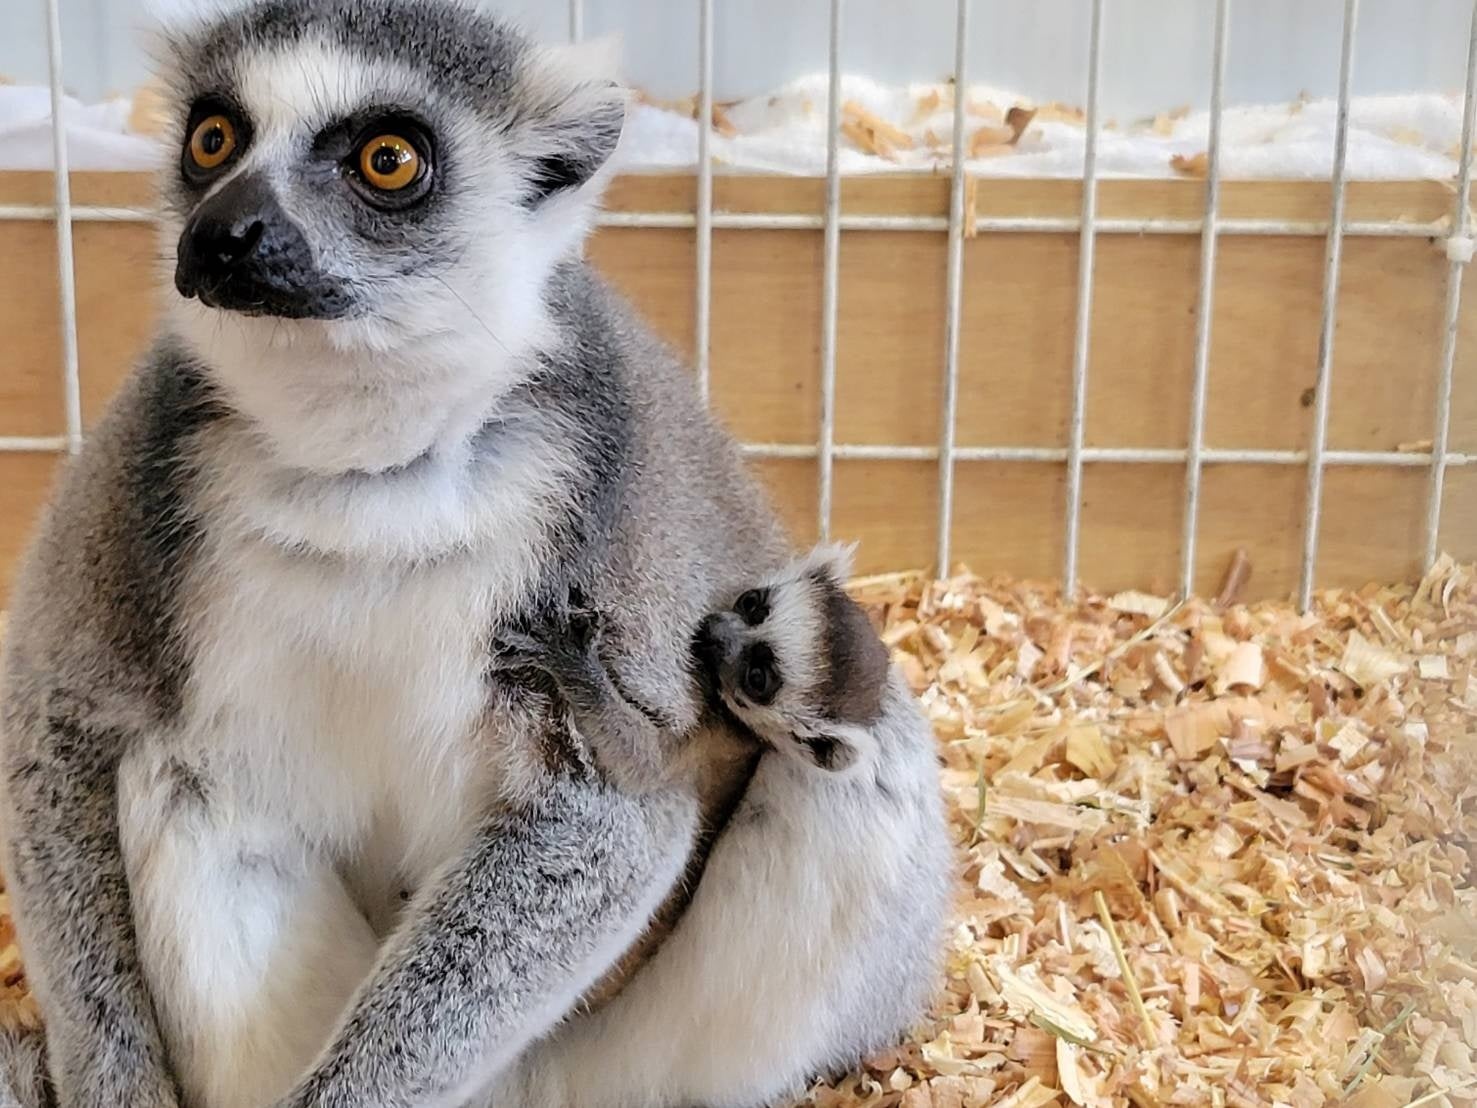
x=1016, y=354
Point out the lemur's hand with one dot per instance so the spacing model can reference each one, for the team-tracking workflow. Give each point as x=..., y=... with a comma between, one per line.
x=561, y=641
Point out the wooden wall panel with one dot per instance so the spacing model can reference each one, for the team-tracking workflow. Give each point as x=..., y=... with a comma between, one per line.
x=25, y=481
x=1016, y=343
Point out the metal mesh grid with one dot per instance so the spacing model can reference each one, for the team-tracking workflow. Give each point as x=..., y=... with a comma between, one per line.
x=1457, y=236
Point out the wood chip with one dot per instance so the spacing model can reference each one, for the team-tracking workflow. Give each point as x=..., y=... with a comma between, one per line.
x=1191, y=165
x=1139, y=603
x=150, y=111
x=1368, y=665
x=1238, y=574
x=1243, y=670
x=871, y=132
x=1088, y=752
x=990, y=141
x=1433, y=667
x=926, y=105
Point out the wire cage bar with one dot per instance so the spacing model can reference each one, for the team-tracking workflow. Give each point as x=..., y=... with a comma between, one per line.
x=1323, y=383
x=1087, y=255
x=66, y=277
x=1458, y=253
x=703, y=281
x=830, y=279
x=791, y=221
x=1456, y=234
x=954, y=294
x=1205, y=301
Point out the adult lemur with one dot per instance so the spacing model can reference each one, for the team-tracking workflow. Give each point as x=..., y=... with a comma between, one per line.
x=248, y=684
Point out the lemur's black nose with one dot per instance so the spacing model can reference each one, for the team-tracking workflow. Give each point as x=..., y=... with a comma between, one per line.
x=714, y=641
x=241, y=251
x=220, y=244
x=705, y=632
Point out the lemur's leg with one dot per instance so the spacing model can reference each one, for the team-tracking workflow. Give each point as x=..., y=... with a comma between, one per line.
x=630, y=746
x=250, y=939
x=495, y=951
x=69, y=891
x=23, y=1079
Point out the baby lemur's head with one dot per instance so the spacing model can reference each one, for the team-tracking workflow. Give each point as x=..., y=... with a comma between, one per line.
x=798, y=662
x=389, y=181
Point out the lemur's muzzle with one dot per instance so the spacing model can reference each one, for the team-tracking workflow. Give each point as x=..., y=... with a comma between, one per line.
x=716, y=641
x=242, y=252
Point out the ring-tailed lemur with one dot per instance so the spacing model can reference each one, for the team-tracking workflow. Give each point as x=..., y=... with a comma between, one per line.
x=248, y=691
x=793, y=661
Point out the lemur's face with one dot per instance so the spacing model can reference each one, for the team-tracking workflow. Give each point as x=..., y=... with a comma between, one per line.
x=799, y=664
x=379, y=170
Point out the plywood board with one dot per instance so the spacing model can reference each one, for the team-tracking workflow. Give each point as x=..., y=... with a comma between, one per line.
x=1018, y=314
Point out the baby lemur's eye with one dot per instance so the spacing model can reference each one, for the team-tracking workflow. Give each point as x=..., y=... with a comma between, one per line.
x=390, y=163
x=753, y=606
x=761, y=680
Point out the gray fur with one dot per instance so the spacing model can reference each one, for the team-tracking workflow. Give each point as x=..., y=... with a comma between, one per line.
x=23, y=1079
x=290, y=537
x=523, y=921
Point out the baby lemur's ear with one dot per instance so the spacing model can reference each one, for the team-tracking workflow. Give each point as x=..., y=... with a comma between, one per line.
x=570, y=115
x=830, y=562
x=836, y=747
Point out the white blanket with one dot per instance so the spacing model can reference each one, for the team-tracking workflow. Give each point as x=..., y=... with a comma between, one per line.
x=1413, y=136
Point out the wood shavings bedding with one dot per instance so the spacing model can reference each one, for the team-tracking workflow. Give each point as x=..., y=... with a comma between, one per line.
x=1209, y=854
x=1185, y=879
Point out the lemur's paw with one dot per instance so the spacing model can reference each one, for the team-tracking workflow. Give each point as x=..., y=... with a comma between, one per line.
x=583, y=628
x=518, y=650
x=578, y=623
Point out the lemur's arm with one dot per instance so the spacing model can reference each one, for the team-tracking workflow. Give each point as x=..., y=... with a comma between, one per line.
x=630, y=746
x=500, y=946
x=66, y=878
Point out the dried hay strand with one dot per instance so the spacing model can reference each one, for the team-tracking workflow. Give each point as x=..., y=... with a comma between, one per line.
x=1209, y=853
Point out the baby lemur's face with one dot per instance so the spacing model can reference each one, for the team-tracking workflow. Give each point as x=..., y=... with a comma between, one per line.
x=797, y=661
x=368, y=170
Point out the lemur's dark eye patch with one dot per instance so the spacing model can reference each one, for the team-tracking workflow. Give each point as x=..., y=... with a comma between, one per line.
x=753, y=606
x=760, y=678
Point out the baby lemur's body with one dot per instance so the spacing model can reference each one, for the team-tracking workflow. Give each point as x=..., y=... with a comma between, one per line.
x=250, y=690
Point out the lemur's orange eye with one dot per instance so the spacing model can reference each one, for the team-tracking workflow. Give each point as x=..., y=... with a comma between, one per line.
x=390, y=163
x=212, y=141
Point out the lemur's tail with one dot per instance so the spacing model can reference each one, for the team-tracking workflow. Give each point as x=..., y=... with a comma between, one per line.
x=23, y=1079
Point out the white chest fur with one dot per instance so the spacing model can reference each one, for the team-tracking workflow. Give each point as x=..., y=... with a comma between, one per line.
x=336, y=694
x=338, y=634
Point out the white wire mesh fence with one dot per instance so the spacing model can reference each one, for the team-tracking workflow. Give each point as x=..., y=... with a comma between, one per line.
x=963, y=222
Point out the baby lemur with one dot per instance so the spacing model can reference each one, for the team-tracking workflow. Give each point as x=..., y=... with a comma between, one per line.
x=793, y=662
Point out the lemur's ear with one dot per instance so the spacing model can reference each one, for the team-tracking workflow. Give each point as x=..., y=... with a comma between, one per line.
x=835, y=747
x=164, y=26
x=830, y=562
x=571, y=115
